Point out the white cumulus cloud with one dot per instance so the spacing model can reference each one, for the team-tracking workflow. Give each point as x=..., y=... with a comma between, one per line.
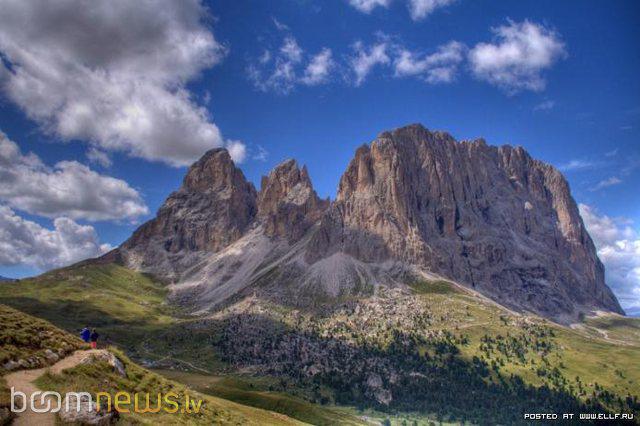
x=618, y=244
x=366, y=6
x=516, y=59
x=112, y=73
x=237, y=151
x=23, y=242
x=439, y=67
x=420, y=9
x=67, y=189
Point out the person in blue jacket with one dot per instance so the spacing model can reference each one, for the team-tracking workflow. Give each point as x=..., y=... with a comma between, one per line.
x=85, y=334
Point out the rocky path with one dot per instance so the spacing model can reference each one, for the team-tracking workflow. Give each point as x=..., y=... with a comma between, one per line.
x=22, y=381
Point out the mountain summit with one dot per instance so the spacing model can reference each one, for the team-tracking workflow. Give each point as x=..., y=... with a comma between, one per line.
x=412, y=202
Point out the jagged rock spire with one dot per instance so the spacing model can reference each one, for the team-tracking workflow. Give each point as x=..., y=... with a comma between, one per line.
x=287, y=202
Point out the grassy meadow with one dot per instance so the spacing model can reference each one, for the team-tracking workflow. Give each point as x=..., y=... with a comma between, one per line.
x=596, y=360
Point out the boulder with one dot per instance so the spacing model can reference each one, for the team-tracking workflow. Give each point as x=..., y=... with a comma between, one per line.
x=110, y=359
x=87, y=414
x=11, y=365
x=51, y=356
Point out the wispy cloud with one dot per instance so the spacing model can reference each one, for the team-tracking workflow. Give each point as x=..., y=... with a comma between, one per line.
x=605, y=183
x=545, y=106
x=261, y=154
x=515, y=61
x=282, y=69
x=97, y=156
x=366, y=58
x=577, y=164
x=438, y=67
x=279, y=25
x=319, y=68
x=418, y=9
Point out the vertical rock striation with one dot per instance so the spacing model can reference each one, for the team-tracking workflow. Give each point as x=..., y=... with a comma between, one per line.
x=492, y=218
x=287, y=204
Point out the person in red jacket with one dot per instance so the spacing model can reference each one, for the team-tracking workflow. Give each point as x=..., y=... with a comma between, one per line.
x=94, y=338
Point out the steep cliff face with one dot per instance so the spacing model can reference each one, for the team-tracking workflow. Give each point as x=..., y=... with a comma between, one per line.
x=287, y=204
x=492, y=218
x=213, y=208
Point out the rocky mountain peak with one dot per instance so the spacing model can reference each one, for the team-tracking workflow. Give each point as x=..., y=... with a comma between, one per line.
x=214, y=207
x=214, y=171
x=491, y=218
x=287, y=203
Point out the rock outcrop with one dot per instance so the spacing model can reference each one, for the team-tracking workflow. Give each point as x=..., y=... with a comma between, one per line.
x=81, y=409
x=213, y=208
x=287, y=203
x=109, y=358
x=491, y=218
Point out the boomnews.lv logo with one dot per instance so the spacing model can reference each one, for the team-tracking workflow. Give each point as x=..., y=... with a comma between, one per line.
x=122, y=402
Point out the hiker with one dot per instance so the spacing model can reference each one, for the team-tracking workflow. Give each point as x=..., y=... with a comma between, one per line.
x=85, y=334
x=94, y=339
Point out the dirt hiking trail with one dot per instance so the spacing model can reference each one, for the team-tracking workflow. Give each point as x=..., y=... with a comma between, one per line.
x=22, y=381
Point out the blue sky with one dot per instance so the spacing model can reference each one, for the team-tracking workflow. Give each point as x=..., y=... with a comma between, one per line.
x=113, y=102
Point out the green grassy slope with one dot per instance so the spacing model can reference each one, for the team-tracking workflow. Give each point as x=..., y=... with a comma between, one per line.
x=255, y=392
x=444, y=351
x=600, y=351
x=130, y=312
x=24, y=340
x=99, y=377
x=123, y=304
x=589, y=360
x=24, y=337
x=594, y=362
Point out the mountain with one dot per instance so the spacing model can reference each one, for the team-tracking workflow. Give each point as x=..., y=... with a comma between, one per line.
x=377, y=306
x=5, y=279
x=412, y=202
x=214, y=207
